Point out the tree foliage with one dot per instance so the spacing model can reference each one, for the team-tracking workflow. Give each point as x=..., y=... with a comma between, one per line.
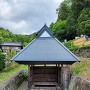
x=84, y=22
x=59, y=28
x=63, y=11
x=76, y=13
x=7, y=36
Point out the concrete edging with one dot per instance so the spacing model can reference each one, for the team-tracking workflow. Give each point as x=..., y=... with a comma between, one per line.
x=14, y=82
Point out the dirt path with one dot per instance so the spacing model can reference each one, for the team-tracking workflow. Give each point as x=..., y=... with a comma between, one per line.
x=23, y=86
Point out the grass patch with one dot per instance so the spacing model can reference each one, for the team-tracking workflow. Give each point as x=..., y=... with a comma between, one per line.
x=82, y=68
x=10, y=71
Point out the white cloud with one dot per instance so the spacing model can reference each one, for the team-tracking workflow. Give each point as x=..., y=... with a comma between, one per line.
x=27, y=16
x=59, y=1
x=5, y=10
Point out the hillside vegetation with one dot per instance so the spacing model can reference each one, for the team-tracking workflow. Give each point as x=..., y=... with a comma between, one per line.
x=81, y=42
x=82, y=68
x=7, y=36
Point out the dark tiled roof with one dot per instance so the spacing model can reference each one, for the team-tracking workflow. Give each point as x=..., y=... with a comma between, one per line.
x=11, y=44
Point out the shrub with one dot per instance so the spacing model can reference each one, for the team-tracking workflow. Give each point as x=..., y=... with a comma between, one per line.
x=71, y=46
x=25, y=76
x=2, y=61
x=11, y=67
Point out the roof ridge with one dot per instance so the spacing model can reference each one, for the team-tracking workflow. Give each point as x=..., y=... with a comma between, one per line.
x=45, y=28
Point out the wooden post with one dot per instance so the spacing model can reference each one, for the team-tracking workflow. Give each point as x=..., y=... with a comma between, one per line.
x=58, y=75
x=45, y=72
x=62, y=75
x=28, y=77
x=32, y=74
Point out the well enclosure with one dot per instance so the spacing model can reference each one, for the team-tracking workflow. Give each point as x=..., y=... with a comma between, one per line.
x=46, y=49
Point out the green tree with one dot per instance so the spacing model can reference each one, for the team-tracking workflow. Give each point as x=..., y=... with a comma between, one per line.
x=84, y=28
x=84, y=22
x=63, y=11
x=71, y=28
x=59, y=28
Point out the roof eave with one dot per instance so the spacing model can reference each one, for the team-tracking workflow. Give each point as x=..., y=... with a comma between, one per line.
x=45, y=62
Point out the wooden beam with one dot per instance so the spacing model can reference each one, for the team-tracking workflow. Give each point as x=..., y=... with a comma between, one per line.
x=29, y=77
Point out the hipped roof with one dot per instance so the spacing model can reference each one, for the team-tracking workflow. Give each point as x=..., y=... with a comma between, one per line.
x=45, y=50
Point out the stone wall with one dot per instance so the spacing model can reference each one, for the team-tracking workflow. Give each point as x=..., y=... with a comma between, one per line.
x=83, y=53
x=14, y=82
x=77, y=83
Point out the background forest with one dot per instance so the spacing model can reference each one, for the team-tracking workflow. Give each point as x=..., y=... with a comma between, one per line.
x=7, y=36
x=73, y=20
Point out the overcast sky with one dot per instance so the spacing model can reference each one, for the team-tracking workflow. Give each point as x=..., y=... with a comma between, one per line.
x=27, y=16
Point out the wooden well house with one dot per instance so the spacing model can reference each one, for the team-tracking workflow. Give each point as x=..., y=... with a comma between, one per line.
x=48, y=60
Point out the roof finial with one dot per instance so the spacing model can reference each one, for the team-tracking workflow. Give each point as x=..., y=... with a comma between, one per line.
x=45, y=24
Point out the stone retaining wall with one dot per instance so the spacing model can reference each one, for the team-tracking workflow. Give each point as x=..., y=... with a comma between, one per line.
x=14, y=82
x=77, y=83
x=83, y=53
